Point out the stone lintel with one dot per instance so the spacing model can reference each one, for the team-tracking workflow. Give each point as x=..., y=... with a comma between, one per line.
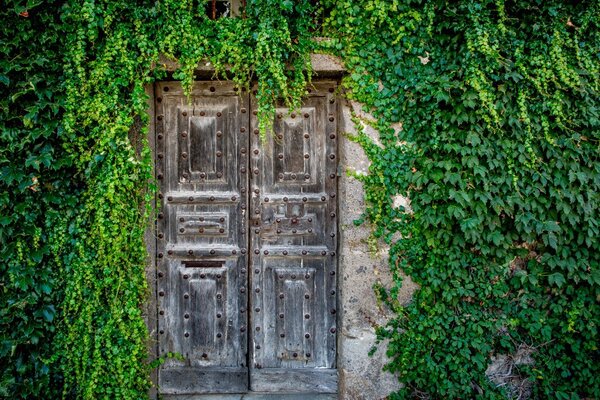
x=323, y=65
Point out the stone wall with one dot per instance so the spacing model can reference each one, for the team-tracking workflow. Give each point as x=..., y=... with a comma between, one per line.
x=361, y=376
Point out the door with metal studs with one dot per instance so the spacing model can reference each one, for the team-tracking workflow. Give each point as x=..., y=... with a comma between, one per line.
x=246, y=242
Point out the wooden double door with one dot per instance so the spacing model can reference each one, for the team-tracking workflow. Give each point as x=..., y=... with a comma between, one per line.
x=246, y=242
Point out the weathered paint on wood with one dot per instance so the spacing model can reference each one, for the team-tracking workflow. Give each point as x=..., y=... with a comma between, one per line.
x=150, y=311
x=203, y=380
x=254, y=396
x=239, y=222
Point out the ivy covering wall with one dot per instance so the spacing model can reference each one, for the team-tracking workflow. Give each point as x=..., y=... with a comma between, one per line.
x=497, y=146
x=35, y=190
x=488, y=121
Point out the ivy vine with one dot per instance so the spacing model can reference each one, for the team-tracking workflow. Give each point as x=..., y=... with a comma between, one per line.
x=488, y=119
x=35, y=190
x=498, y=154
x=96, y=257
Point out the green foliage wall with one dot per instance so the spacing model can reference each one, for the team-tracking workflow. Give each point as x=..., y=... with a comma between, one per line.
x=498, y=154
x=34, y=191
x=76, y=171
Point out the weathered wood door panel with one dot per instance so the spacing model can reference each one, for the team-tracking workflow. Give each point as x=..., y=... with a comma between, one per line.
x=202, y=238
x=223, y=191
x=293, y=242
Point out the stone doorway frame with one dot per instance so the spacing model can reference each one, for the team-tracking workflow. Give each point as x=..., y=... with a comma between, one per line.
x=359, y=376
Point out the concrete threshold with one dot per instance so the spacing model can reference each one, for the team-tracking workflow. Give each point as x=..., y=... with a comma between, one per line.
x=254, y=396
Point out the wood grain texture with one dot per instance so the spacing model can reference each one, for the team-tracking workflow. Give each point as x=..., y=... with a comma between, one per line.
x=203, y=380
x=294, y=239
x=254, y=396
x=294, y=380
x=150, y=310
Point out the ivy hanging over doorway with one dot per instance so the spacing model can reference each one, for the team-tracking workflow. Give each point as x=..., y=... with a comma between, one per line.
x=88, y=232
x=488, y=120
